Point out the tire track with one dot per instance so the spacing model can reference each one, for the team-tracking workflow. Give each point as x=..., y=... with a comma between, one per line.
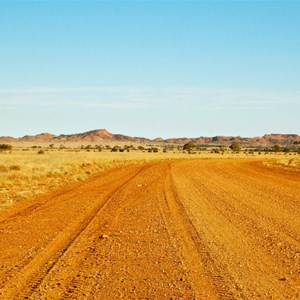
x=262, y=260
x=74, y=288
x=31, y=276
x=26, y=208
x=206, y=284
x=106, y=260
x=266, y=239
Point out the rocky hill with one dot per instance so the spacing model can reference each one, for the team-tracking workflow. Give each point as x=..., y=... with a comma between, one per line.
x=267, y=139
x=102, y=135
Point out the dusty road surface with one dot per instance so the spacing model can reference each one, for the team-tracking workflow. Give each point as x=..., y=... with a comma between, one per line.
x=205, y=229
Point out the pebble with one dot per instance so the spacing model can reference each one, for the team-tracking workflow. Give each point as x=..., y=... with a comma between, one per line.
x=104, y=236
x=282, y=278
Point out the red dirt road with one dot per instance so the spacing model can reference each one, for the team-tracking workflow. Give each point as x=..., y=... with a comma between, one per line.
x=205, y=229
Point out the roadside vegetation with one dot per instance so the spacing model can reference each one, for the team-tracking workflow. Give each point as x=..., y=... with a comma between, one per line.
x=5, y=147
x=35, y=170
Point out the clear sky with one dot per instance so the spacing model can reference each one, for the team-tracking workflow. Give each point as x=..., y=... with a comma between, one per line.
x=150, y=68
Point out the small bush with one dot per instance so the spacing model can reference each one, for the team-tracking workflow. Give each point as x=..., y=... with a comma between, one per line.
x=276, y=148
x=3, y=169
x=4, y=147
x=235, y=147
x=41, y=152
x=115, y=149
x=188, y=146
x=15, y=168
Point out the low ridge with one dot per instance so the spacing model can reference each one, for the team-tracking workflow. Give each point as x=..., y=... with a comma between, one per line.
x=100, y=135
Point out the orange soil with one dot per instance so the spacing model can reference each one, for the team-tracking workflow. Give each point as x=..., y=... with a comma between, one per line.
x=205, y=229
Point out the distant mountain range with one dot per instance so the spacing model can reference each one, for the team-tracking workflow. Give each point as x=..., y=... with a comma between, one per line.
x=102, y=135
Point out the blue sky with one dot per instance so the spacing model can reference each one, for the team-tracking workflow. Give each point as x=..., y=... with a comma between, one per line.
x=150, y=68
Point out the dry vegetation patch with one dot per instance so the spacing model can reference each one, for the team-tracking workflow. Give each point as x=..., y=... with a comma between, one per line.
x=291, y=164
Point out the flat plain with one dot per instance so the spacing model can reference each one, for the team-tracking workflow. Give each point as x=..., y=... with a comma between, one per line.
x=178, y=229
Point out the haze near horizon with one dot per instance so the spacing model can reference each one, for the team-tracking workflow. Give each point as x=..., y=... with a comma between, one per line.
x=166, y=68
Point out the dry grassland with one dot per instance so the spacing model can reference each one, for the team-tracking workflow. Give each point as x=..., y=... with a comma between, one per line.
x=26, y=174
x=286, y=163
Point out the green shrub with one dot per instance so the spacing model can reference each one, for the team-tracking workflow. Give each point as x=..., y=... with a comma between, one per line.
x=115, y=149
x=189, y=146
x=235, y=147
x=276, y=148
